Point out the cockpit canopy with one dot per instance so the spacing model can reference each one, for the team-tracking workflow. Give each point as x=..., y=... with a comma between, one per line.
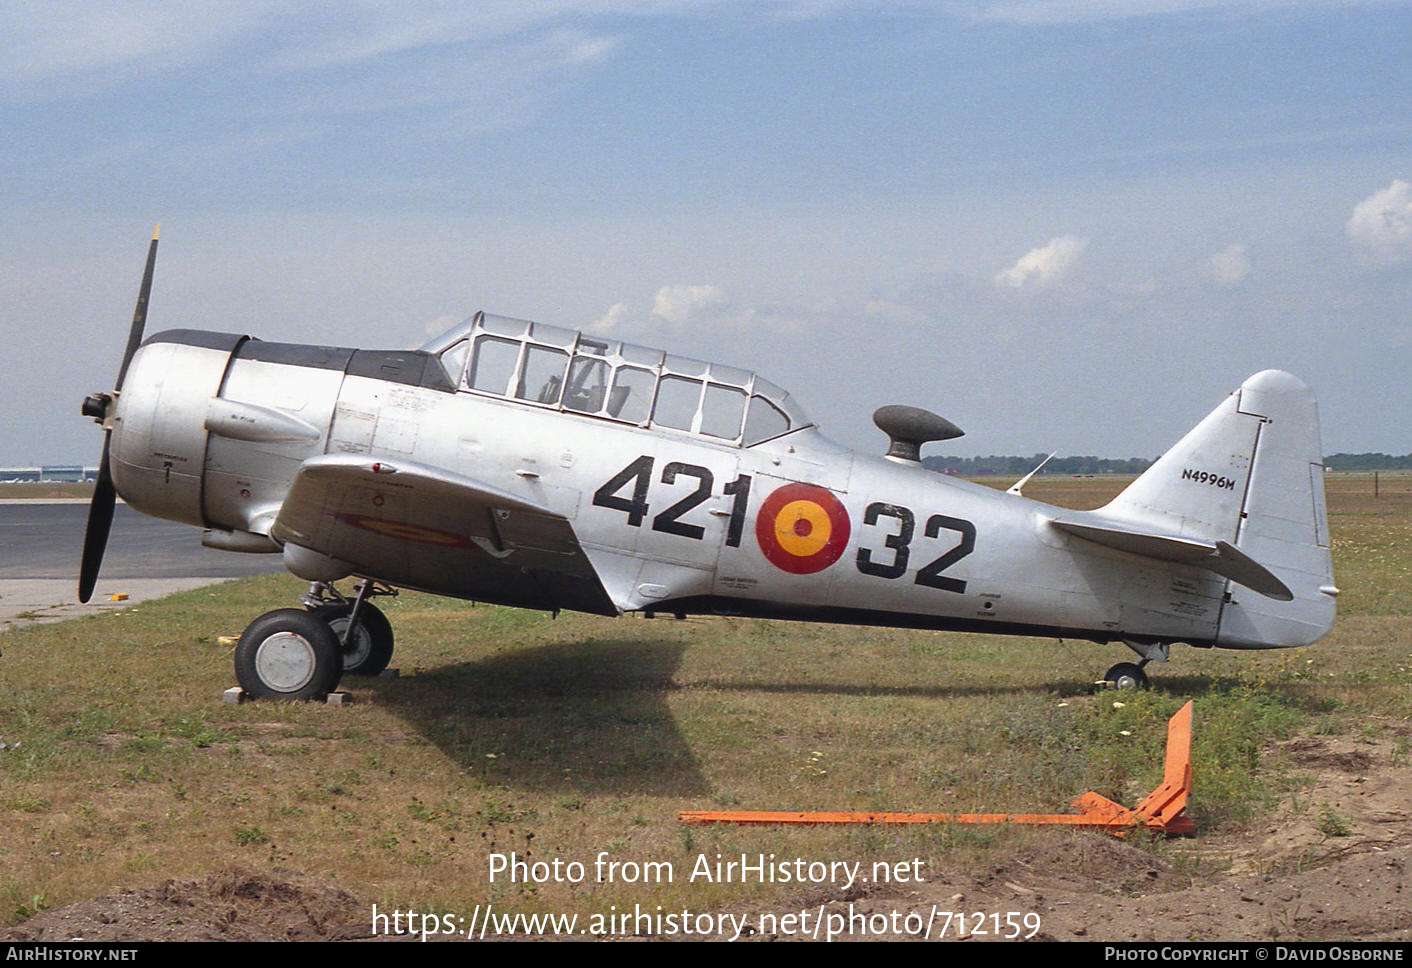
x=562, y=369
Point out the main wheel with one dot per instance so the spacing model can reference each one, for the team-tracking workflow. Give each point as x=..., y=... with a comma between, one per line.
x=1125, y=675
x=370, y=646
x=288, y=654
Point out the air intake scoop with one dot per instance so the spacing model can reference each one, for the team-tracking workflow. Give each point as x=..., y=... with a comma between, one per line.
x=908, y=428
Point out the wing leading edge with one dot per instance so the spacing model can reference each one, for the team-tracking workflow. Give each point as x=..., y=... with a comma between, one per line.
x=421, y=527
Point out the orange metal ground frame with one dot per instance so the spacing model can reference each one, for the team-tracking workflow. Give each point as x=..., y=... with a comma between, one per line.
x=1160, y=811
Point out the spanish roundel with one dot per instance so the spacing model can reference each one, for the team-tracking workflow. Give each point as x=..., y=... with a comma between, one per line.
x=802, y=528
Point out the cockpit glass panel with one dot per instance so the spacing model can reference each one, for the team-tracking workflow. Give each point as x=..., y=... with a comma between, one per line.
x=640, y=355
x=677, y=401
x=729, y=374
x=543, y=378
x=504, y=326
x=493, y=365
x=631, y=399
x=685, y=366
x=554, y=335
x=448, y=337
x=763, y=421
x=721, y=410
x=579, y=372
x=590, y=346
x=786, y=403
x=588, y=384
x=453, y=360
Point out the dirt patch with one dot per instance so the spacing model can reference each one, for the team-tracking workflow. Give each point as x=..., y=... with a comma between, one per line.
x=1130, y=897
x=227, y=906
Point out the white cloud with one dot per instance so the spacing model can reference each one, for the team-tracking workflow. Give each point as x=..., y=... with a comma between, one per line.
x=1230, y=266
x=700, y=308
x=681, y=305
x=1382, y=223
x=1046, y=265
x=611, y=321
x=580, y=48
x=762, y=318
x=87, y=45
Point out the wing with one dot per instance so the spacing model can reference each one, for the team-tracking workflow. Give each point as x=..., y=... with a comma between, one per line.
x=422, y=527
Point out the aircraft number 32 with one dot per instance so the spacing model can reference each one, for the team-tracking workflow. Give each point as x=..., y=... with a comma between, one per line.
x=626, y=491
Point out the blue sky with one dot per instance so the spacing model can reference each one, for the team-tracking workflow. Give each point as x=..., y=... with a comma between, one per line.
x=1062, y=225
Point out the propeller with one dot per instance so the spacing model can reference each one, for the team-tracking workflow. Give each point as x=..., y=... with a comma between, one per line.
x=98, y=406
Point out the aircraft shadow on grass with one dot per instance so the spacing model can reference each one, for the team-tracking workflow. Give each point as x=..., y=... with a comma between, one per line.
x=593, y=716
x=588, y=716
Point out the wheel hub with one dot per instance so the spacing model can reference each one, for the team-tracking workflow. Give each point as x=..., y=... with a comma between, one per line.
x=359, y=644
x=285, y=662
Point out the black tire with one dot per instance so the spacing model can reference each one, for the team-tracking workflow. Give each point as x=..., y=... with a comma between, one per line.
x=370, y=647
x=1126, y=675
x=288, y=654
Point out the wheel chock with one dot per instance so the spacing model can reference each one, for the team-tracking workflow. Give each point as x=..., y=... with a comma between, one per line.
x=1161, y=811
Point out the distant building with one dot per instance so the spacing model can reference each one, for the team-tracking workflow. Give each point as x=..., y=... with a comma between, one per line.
x=48, y=473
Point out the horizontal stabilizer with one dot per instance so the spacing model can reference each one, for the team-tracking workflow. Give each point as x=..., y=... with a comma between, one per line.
x=1220, y=557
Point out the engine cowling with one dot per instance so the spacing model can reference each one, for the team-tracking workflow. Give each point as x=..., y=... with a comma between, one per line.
x=158, y=443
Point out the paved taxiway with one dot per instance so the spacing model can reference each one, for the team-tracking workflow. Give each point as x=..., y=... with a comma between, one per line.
x=40, y=544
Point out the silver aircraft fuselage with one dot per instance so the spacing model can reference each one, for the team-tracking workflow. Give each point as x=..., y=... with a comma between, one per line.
x=693, y=487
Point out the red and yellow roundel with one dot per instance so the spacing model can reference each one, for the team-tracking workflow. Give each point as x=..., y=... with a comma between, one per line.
x=802, y=528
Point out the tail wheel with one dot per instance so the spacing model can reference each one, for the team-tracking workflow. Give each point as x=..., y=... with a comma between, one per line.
x=1126, y=675
x=369, y=648
x=288, y=654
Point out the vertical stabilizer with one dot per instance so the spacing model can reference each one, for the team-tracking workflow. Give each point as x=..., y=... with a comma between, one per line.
x=1250, y=474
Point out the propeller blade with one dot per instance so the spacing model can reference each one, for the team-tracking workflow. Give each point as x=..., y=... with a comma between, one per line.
x=95, y=536
x=105, y=494
x=139, y=313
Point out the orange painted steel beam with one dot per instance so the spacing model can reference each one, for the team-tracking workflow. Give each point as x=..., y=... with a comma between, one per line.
x=1160, y=811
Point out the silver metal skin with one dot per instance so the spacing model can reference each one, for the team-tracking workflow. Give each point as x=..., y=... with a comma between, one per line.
x=527, y=465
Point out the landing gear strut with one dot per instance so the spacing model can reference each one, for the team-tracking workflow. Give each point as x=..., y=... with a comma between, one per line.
x=360, y=627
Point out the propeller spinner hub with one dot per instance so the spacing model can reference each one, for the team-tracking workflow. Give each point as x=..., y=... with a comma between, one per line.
x=96, y=405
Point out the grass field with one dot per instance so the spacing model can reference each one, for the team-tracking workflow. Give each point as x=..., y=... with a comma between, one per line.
x=565, y=738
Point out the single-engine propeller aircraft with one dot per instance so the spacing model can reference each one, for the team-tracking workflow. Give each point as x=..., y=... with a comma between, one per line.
x=527, y=465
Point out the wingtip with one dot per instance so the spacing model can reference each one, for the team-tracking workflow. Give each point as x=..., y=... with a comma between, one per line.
x=156, y=227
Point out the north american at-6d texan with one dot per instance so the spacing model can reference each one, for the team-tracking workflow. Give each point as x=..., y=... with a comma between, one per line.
x=527, y=465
